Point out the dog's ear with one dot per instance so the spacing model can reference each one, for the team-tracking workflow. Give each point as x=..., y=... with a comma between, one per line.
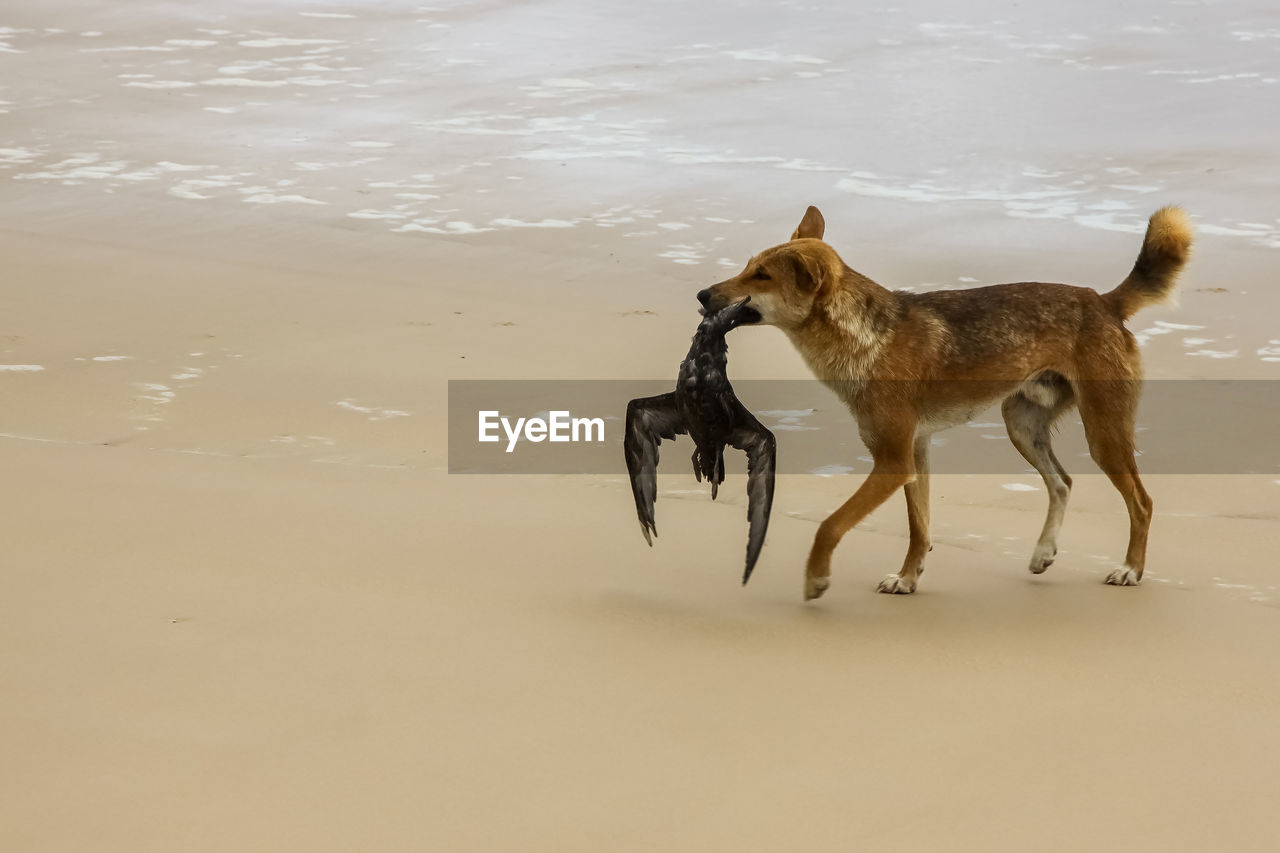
x=810, y=271
x=812, y=225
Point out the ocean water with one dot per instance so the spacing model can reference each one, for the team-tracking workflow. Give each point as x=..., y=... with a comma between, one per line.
x=676, y=134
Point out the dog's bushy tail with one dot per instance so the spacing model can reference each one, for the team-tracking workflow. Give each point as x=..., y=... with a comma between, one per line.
x=1165, y=249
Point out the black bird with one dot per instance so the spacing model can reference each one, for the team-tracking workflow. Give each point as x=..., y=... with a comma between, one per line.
x=704, y=406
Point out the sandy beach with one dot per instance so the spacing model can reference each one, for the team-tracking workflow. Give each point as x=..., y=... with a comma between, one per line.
x=248, y=607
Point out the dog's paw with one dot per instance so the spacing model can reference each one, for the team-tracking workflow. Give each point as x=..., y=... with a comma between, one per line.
x=897, y=585
x=815, y=587
x=1124, y=576
x=1041, y=559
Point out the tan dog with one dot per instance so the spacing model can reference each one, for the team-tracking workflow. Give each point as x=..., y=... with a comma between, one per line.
x=910, y=364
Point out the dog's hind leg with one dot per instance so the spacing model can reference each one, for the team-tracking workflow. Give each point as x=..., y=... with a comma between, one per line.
x=1030, y=429
x=1107, y=409
x=917, y=492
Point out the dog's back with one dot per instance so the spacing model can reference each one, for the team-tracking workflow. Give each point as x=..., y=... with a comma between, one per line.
x=1011, y=331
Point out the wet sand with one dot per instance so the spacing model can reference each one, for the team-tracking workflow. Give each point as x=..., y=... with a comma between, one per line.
x=247, y=607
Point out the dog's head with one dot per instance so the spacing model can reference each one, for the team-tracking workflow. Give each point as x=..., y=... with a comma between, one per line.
x=784, y=282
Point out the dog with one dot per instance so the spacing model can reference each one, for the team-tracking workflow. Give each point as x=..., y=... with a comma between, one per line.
x=910, y=364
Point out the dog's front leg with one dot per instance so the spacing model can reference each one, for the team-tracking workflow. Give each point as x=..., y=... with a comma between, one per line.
x=894, y=467
x=917, y=492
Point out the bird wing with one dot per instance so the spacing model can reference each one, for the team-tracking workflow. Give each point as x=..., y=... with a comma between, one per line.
x=649, y=420
x=760, y=446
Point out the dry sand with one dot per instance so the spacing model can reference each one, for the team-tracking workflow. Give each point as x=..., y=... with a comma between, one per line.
x=246, y=607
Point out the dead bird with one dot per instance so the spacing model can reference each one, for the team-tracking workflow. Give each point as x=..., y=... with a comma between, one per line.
x=703, y=406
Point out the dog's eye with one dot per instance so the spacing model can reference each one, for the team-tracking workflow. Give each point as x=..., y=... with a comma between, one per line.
x=762, y=275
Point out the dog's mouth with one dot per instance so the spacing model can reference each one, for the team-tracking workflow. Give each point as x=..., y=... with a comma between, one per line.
x=745, y=314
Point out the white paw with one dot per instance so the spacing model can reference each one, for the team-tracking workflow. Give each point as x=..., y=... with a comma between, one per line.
x=1123, y=576
x=897, y=585
x=1042, y=558
x=815, y=587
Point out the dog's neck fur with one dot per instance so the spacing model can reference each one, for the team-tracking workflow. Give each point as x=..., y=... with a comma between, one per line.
x=847, y=330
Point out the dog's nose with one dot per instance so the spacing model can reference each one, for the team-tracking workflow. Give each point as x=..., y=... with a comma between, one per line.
x=704, y=296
